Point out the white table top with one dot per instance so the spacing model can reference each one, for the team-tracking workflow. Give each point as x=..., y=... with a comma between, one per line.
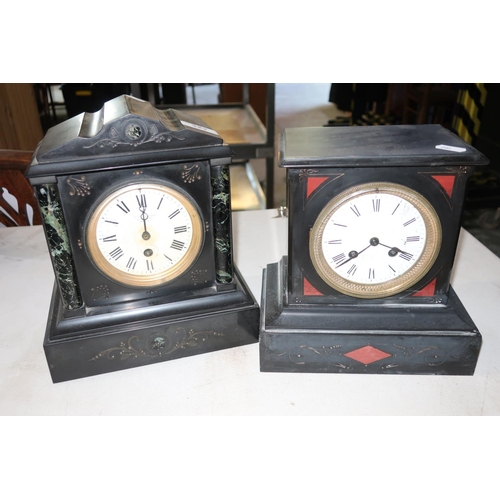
x=229, y=382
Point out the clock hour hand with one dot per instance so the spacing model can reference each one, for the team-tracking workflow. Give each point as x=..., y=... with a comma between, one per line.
x=352, y=255
x=394, y=250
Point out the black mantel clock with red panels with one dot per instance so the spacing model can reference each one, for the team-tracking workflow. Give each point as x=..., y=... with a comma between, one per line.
x=135, y=204
x=374, y=219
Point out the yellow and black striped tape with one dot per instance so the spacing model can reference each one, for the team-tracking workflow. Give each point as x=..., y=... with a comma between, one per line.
x=467, y=116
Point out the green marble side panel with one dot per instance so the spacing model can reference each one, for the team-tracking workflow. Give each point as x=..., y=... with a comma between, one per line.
x=221, y=208
x=58, y=243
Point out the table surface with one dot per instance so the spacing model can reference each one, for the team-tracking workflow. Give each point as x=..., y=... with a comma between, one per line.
x=229, y=382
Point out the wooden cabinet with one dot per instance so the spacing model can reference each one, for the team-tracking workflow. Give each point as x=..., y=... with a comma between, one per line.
x=20, y=126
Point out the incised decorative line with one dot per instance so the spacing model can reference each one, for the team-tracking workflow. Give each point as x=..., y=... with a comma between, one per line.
x=190, y=174
x=324, y=351
x=135, y=139
x=306, y=172
x=199, y=276
x=100, y=292
x=156, y=345
x=430, y=357
x=433, y=355
x=78, y=186
x=458, y=170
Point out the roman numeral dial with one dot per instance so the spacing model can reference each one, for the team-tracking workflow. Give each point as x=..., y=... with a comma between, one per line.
x=375, y=240
x=144, y=234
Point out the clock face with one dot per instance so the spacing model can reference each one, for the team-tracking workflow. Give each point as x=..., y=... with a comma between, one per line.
x=375, y=240
x=144, y=234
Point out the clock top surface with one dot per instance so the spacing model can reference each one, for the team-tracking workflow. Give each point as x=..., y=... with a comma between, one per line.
x=397, y=145
x=124, y=132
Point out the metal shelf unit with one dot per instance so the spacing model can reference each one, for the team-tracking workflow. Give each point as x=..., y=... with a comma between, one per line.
x=240, y=127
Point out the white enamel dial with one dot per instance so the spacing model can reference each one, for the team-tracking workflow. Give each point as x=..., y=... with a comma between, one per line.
x=144, y=234
x=375, y=240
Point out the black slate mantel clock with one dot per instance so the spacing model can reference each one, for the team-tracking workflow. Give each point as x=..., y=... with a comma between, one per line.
x=374, y=220
x=136, y=210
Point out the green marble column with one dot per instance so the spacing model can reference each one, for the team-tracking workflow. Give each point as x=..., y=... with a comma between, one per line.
x=221, y=208
x=58, y=243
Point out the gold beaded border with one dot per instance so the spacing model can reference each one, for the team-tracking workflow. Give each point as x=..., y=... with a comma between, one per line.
x=396, y=285
x=149, y=280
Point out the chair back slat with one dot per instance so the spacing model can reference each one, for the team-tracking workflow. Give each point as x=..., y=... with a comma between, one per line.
x=14, y=185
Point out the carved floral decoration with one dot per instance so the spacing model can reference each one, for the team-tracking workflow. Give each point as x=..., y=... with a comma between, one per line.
x=133, y=133
x=157, y=345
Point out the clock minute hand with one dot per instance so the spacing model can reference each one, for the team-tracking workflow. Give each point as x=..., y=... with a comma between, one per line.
x=144, y=216
x=141, y=201
x=353, y=254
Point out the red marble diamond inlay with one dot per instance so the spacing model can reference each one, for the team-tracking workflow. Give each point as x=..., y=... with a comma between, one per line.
x=367, y=354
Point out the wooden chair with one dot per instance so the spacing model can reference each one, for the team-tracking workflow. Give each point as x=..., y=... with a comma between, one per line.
x=13, y=165
x=428, y=102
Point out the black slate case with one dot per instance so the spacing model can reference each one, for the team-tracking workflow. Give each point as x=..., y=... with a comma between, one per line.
x=96, y=325
x=307, y=326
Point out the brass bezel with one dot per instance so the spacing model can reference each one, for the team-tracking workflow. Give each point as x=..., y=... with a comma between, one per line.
x=398, y=284
x=148, y=280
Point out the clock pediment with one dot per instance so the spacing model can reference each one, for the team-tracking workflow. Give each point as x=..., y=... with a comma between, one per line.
x=124, y=127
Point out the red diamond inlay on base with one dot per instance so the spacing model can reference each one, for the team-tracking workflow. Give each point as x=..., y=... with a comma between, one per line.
x=367, y=354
